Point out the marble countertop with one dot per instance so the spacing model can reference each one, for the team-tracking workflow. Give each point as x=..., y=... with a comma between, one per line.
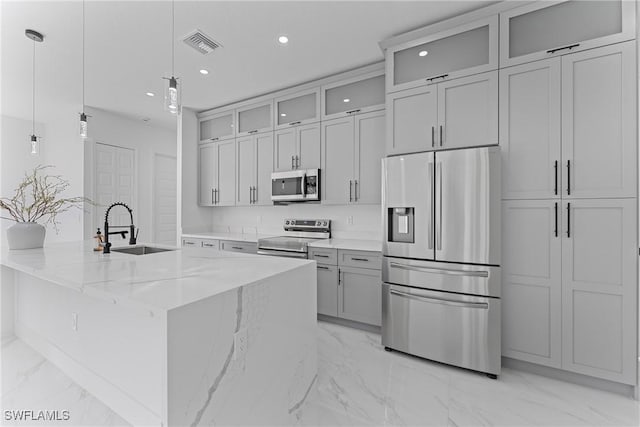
x=160, y=281
x=239, y=237
x=350, y=244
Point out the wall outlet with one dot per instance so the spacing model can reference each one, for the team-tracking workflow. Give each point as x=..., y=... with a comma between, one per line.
x=74, y=322
x=350, y=220
x=240, y=344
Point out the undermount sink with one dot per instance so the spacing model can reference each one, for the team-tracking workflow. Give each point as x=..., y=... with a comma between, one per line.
x=141, y=250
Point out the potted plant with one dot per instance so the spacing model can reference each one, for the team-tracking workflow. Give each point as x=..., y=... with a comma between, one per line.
x=37, y=201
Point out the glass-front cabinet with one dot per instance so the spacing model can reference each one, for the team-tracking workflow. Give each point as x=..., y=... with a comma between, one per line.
x=255, y=118
x=217, y=127
x=356, y=95
x=468, y=49
x=298, y=108
x=544, y=29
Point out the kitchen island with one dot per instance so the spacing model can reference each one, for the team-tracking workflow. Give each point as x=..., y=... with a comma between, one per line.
x=184, y=337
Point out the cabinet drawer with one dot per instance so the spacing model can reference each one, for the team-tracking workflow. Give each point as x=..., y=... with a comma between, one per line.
x=324, y=256
x=233, y=246
x=191, y=242
x=360, y=259
x=211, y=244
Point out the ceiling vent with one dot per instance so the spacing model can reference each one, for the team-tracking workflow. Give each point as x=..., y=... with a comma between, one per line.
x=201, y=42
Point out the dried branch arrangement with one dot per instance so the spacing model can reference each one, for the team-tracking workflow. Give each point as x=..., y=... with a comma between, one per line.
x=39, y=197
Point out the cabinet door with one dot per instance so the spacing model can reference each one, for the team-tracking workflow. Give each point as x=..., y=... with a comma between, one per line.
x=246, y=170
x=599, y=144
x=255, y=118
x=530, y=130
x=264, y=160
x=359, y=94
x=308, y=140
x=468, y=111
x=599, y=288
x=285, y=148
x=338, y=158
x=542, y=29
x=298, y=109
x=360, y=295
x=412, y=117
x=226, y=178
x=217, y=127
x=207, y=171
x=531, y=281
x=328, y=290
x=369, y=144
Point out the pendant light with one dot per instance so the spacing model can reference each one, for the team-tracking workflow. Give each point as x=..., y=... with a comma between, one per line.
x=172, y=92
x=35, y=37
x=83, y=117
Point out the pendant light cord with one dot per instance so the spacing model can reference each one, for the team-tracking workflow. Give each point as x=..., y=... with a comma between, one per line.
x=33, y=92
x=83, y=26
x=173, y=29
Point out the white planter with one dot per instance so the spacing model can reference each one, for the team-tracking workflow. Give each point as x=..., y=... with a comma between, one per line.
x=25, y=235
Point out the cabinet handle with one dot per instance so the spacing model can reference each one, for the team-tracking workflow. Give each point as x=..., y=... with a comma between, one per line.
x=433, y=136
x=350, y=193
x=297, y=162
x=568, y=177
x=321, y=256
x=294, y=123
x=214, y=139
x=563, y=47
x=555, y=171
x=208, y=245
x=322, y=267
x=237, y=248
x=355, y=190
x=568, y=219
x=213, y=201
x=441, y=137
x=353, y=111
x=250, y=195
x=359, y=259
x=443, y=76
x=255, y=194
x=555, y=210
x=292, y=165
x=188, y=243
x=216, y=198
x=253, y=131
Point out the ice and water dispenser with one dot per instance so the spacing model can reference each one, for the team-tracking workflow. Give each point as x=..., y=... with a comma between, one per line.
x=400, y=225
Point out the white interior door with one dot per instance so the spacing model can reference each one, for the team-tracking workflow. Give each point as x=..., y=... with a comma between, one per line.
x=164, y=199
x=114, y=182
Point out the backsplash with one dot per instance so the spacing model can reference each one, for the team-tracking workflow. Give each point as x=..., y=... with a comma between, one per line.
x=347, y=222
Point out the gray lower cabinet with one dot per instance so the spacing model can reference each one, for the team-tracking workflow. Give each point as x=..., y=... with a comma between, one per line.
x=348, y=292
x=234, y=246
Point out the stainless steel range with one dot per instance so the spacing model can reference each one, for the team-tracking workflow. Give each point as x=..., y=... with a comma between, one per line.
x=298, y=233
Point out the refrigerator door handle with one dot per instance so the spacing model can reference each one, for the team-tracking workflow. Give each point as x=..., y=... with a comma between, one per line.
x=432, y=212
x=445, y=271
x=443, y=301
x=439, y=206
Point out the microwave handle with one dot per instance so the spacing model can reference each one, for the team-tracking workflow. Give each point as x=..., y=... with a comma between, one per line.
x=303, y=185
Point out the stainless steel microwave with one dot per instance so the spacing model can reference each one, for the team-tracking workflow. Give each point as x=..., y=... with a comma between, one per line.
x=295, y=186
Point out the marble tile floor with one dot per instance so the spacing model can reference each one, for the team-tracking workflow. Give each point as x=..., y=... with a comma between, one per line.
x=359, y=384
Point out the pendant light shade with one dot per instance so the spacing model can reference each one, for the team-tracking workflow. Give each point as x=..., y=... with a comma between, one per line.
x=172, y=91
x=34, y=143
x=84, y=127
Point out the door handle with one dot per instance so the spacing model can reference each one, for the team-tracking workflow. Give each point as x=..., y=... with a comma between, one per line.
x=255, y=194
x=568, y=177
x=350, y=192
x=563, y=47
x=322, y=267
x=250, y=195
x=253, y=131
x=297, y=161
x=555, y=172
x=441, y=137
x=445, y=271
x=303, y=185
x=439, y=230
x=292, y=165
x=360, y=259
x=321, y=256
x=443, y=301
x=433, y=136
x=555, y=209
x=212, y=198
x=568, y=220
x=294, y=123
x=432, y=211
x=238, y=248
x=355, y=190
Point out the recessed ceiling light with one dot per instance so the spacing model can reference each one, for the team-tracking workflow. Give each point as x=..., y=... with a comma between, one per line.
x=151, y=94
x=203, y=71
x=423, y=53
x=346, y=100
x=283, y=39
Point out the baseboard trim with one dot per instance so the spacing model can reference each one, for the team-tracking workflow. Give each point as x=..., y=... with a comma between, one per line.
x=121, y=403
x=570, y=377
x=350, y=323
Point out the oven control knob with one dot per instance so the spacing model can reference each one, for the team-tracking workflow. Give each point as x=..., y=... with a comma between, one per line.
x=324, y=223
x=287, y=223
x=318, y=223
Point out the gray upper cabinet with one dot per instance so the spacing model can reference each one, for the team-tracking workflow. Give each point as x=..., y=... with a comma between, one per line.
x=217, y=127
x=543, y=29
x=461, y=51
x=255, y=118
x=357, y=95
x=297, y=109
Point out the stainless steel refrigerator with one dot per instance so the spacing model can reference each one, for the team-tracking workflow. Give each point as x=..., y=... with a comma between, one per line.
x=441, y=264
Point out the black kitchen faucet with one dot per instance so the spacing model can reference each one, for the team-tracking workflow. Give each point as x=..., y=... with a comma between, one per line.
x=132, y=237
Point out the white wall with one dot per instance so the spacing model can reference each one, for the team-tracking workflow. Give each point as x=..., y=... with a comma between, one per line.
x=146, y=140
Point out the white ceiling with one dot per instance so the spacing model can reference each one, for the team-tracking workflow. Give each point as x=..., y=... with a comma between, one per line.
x=128, y=48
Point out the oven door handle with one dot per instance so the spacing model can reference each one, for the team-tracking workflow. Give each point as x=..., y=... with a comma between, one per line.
x=446, y=271
x=443, y=301
x=288, y=255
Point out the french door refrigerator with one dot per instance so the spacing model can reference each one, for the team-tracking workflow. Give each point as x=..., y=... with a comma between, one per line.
x=441, y=257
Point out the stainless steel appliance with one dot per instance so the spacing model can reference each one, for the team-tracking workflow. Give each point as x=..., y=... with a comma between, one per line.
x=298, y=233
x=441, y=265
x=295, y=186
